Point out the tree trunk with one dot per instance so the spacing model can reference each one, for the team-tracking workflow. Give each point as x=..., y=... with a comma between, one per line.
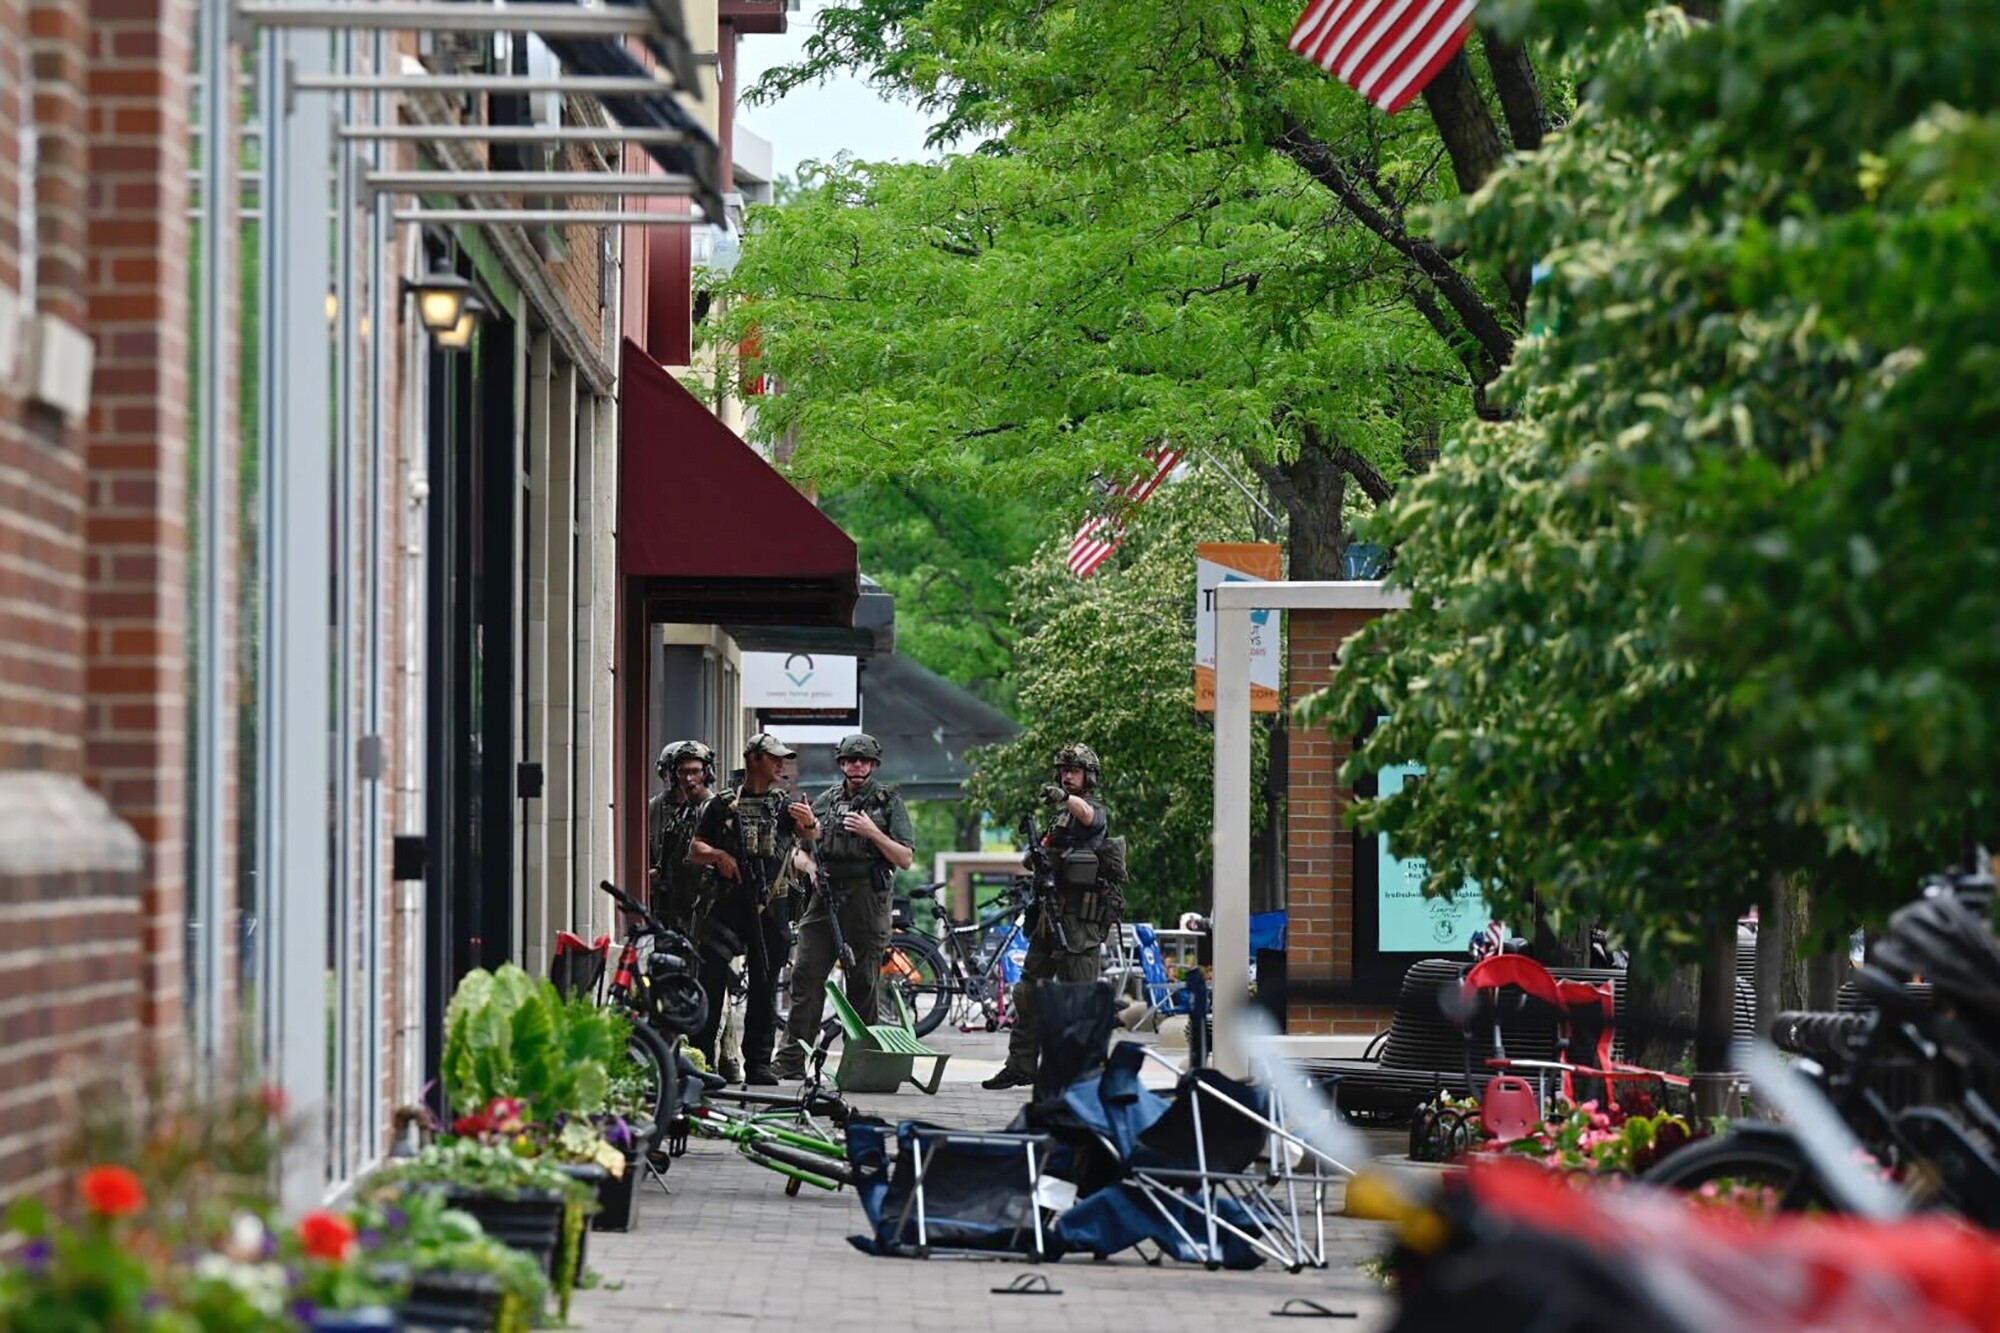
x=1464, y=123
x=1659, y=1015
x=1314, y=495
x=1773, y=931
x=1520, y=94
x=967, y=825
x=1715, y=1023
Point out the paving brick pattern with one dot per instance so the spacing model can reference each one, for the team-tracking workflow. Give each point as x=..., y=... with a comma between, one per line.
x=729, y=1249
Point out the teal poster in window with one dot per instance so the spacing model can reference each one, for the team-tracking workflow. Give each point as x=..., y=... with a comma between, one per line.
x=1408, y=922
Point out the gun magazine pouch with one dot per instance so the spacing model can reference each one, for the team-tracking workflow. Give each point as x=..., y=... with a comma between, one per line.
x=1078, y=870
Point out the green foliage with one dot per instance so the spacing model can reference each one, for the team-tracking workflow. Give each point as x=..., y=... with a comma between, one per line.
x=478, y=1168
x=945, y=553
x=509, y=1035
x=1109, y=660
x=420, y=1232
x=1722, y=600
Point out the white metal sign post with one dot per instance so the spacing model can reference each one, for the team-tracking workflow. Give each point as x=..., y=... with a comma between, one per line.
x=1233, y=604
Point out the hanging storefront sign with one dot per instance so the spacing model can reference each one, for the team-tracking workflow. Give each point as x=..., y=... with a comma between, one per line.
x=1217, y=563
x=822, y=688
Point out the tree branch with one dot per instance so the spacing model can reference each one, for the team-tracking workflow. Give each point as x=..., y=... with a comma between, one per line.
x=1316, y=158
x=1351, y=461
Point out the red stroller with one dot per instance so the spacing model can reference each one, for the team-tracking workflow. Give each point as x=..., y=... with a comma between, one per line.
x=1585, y=1012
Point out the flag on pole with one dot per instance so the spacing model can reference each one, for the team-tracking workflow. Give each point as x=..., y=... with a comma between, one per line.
x=1386, y=50
x=1101, y=534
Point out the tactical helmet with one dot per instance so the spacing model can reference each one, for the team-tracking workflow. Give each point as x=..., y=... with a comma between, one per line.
x=674, y=755
x=1079, y=755
x=860, y=745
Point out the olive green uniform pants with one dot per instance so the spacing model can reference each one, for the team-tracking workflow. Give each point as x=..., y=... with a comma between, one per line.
x=865, y=916
x=1047, y=961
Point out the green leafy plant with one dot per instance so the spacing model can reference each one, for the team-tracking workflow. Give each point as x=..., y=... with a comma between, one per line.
x=510, y=1036
x=475, y=1167
x=421, y=1233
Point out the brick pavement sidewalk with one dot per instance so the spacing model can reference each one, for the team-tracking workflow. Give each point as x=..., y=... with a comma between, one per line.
x=728, y=1247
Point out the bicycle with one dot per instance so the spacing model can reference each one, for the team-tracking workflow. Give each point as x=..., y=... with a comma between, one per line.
x=654, y=986
x=1914, y=1077
x=781, y=1132
x=969, y=967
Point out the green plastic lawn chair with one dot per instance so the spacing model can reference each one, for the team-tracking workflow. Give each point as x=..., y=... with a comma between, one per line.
x=881, y=1057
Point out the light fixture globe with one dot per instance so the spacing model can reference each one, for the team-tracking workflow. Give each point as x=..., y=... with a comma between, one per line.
x=459, y=336
x=441, y=301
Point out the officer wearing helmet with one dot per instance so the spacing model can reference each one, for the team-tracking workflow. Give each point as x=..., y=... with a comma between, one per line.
x=868, y=838
x=1064, y=943
x=682, y=890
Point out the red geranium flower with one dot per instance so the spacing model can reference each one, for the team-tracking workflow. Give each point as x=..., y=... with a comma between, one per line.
x=112, y=1191
x=327, y=1235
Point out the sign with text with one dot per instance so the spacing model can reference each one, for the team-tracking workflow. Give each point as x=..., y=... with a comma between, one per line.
x=1408, y=921
x=802, y=687
x=1217, y=563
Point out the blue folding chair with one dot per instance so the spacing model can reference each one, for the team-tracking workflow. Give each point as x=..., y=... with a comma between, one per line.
x=1164, y=999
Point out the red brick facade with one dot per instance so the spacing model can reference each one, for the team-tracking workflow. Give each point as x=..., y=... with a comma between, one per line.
x=92, y=573
x=135, y=528
x=1320, y=854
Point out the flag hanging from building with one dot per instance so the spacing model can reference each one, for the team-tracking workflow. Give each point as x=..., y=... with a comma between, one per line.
x=1101, y=534
x=1386, y=50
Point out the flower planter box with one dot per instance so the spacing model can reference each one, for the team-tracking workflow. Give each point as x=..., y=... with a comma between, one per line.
x=446, y=1302
x=531, y=1222
x=373, y=1319
x=618, y=1198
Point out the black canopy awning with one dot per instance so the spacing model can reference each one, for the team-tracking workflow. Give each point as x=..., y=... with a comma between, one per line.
x=926, y=725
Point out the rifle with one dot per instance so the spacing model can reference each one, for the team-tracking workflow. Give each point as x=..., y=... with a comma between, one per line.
x=1038, y=887
x=835, y=900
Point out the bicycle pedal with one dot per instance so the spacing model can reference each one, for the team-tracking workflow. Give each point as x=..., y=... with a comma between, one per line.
x=1028, y=1284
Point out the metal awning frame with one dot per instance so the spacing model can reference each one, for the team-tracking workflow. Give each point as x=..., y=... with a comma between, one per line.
x=613, y=22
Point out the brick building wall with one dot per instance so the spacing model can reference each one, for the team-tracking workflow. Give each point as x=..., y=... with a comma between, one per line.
x=1320, y=850
x=135, y=449
x=91, y=564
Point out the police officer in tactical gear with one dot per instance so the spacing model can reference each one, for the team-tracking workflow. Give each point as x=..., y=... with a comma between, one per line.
x=682, y=890
x=868, y=838
x=1066, y=933
x=747, y=834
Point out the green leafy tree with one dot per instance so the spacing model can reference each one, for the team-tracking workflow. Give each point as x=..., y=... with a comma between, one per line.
x=1109, y=661
x=1719, y=603
x=947, y=554
x=1171, y=229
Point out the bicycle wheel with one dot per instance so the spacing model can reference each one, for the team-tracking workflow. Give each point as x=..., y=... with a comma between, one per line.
x=658, y=1076
x=1762, y=1161
x=917, y=970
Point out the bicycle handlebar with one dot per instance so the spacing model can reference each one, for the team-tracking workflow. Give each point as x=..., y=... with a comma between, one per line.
x=634, y=907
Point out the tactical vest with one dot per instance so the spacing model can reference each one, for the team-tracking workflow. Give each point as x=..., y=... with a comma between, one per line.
x=851, y=859
x=762, y=839
x=1079, y=853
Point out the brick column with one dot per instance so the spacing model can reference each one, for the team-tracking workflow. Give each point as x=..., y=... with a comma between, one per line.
x=137, y=456
x=69, y=933
x=1320, y=852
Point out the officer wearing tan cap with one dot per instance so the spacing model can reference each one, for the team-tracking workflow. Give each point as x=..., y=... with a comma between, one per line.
x=747, y=833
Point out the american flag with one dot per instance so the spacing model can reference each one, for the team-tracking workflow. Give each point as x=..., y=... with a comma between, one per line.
x=1101, y=533
x=1386, y=50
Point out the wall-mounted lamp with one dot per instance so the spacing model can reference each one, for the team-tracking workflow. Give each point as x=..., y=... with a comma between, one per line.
x=442, y=298
x=459, y=335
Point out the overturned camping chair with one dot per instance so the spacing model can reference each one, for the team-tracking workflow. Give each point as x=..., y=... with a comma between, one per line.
x=958, y=1193
x=1211, y=1175
x=881, y=1057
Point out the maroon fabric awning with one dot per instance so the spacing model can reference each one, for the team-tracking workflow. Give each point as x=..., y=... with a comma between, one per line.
x=717, y=532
